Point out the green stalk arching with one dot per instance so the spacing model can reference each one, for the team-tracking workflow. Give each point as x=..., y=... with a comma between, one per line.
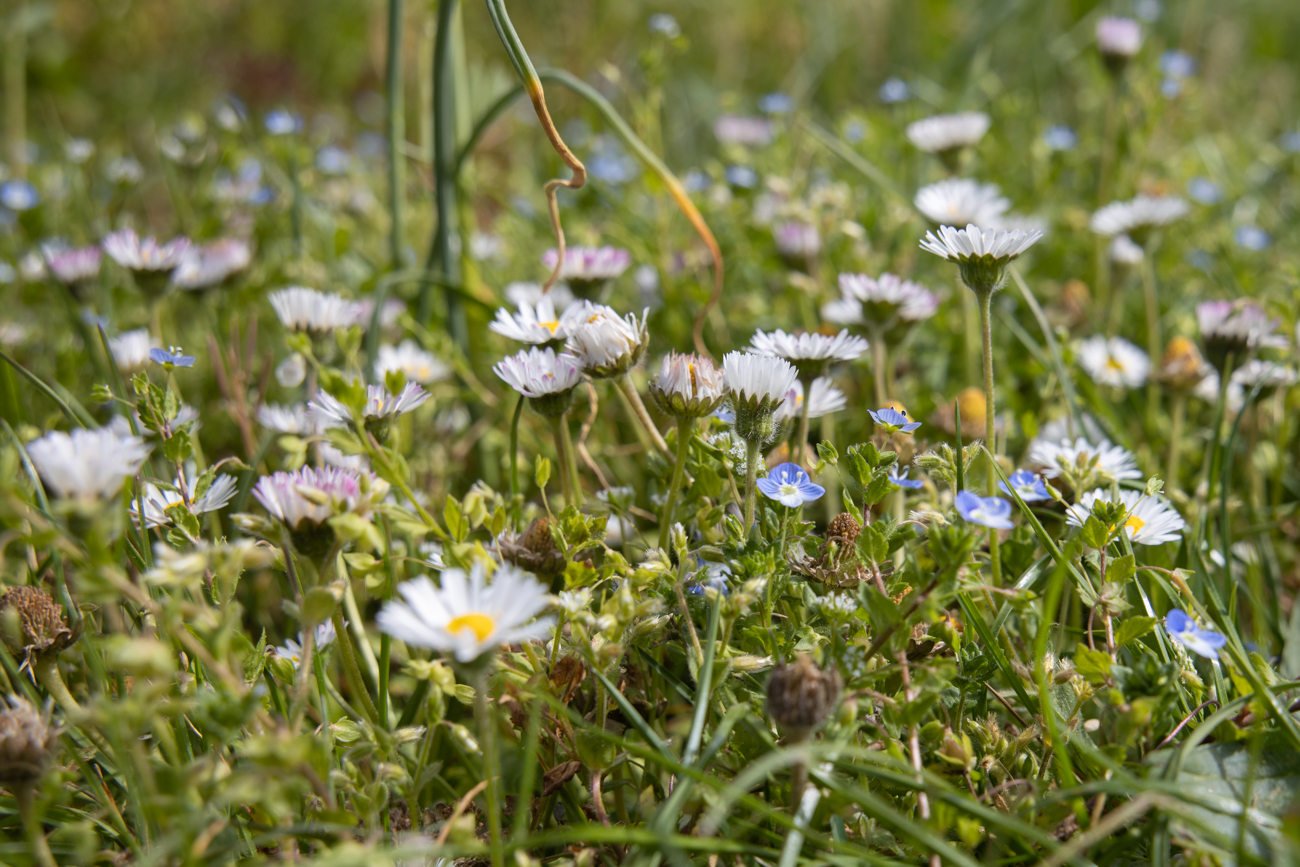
x=396, y=132
x=624, y=384
x=351, y=670
x=985, y=298
x=685, y=431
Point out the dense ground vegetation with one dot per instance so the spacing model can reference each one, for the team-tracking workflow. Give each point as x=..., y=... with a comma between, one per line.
x=875, y=447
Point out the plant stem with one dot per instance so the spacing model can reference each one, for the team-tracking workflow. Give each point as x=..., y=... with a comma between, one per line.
x=1179, y=415
x=971, y=317
x=396, y=131
x=488, y=739
x=685, y=432
x=559, y=429
x=751, y=478
x=879, y=361
x=514, y=463
x=1153, y=336
x=25, y=793
x=447, y=242
x=348, y=654
x=624, y=384
x=985, y=298
x=16, y=89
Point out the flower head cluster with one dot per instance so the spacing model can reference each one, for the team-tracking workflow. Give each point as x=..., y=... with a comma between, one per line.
x=608, y=346
x=1148, y=521
x=158, y=500
x=586, y=269
x=1138, y=216
x=87, y=464
x=810, y=352
x=991, y=512
x=960, y=201
x=688, y=386
x=537, y=322
x=1114, y=362
x=543, y=377
x=212, y=264
x=948, y=132
x=758, y=385
x=467, y=616
x=413, y=362
x=790, y=485
x=982, y=254
x=884, y=300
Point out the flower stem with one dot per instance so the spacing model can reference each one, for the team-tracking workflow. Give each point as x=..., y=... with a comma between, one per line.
x=348, y=654
x=685, y=431
x=1179, y=416
x=879, y=361
x=798, y=454
x=1153, y=335
x=562, y=457
x=575, y=481
x=396, y=131
x=985, y=298
x=488, y=739
x=26, y=792
x=751, y=479
x=624, y=384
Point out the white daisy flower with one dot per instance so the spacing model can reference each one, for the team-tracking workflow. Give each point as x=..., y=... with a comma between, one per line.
x=1208, y=390
x=144, y=256
x=757, y=378
x=946, y=132
x=468, y=616
x=1124, y=251
x=688, y=386
x=585, y=266
x=313, y=496
x=880, y=300
x=87, y=464
x=959, y=201
x=211, y=264
x=1137, y=215
x=538, y=322
x=797, y=241
x=131, y=350
x=1236, y=326
x=292, y=650
x=72, y=266
x=294, y=419
x=157, y=500
x=742, y=130
x=1114, y=463
x=539, y=372
x=1114, y=362
x=1271, y=375
x=1149, y=521
x=530, y=293
x=418, y=365
x=607, y=345
x=826, y=399
x=380, y=405
x=316, y=313
x=808, y=346
x=1118, y=38
x=974, y=243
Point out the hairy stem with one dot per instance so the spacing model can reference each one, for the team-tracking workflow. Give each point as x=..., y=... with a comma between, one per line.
x=751, y=479
x=685, y=431
x=624, y=384
x=798, y=453
x=396, y=131
x=879, y=362
x=985, y=298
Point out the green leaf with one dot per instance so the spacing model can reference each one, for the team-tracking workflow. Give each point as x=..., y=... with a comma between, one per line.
x=543, y=472
x=873, y=546
x=178, y=447
x=827, y=452
x=1093, y=665
x=878, y=488
x=255, y=661
x=1121, y=569
x=1133, y=628
x=457, y=526
x=1094, y=533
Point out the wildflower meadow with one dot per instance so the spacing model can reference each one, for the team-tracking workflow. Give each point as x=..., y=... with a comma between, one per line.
x=596, y=433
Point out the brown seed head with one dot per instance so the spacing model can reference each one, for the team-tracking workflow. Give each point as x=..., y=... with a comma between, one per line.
x=534, y=550
x=844, y=529
x=27, y=741
x=800, y=696
x=40, y=624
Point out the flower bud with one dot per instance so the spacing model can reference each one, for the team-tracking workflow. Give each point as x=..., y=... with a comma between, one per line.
x=800, y=696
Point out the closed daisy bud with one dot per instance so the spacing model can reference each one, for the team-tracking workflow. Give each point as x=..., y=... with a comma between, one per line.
x=27, y=742
x=800, y=696
x=33, y=622
x=688, y=386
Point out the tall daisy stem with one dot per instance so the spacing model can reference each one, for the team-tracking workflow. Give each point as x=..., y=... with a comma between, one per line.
x=1153, y=334
x=685, y=431
x=624, y=384
x=799, y=453
x=491, y=766
x=985, y=298
x=879, y=363
x=1178, y=413
x=564, y=453
x=751, y=481
x=26, y=797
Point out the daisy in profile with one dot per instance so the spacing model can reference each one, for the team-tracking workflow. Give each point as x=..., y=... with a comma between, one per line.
x=150, y=262
x=1118, y=41
x=1138, y=216
x=74, y=267
x=688, y=386
x=543, y=377
x=412, y=361
x=1265, y=374
x=311, y=312
x=212, y=264
x=131, y=350
x=959, y=201
x=530, y=293
x=824, y=399
x=1148, y=520
x=607, y=345
x=377, y=413
x=810, y=352
x=292, y=650
x=981, y=254
x=158, y=500
x=1115, y=362
x=295, y=419
x=1235, y=328
x=1079, y=462
x=537, y=322
x=588, y=269
x=758, y=385
x=946, y=135
x=87, y=465
x=305, y=500
x=468, y=617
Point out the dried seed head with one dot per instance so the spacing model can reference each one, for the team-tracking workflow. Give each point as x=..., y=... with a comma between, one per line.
x=27, y=741
x=800, y=696
x=534, y=550
x=844, y=528
x=33, y=622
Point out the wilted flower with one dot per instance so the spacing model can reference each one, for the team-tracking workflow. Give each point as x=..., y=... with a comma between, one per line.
x=945, y=133
x=158, y=500
x=982, y=254
x=534, y=550
x=1114, y=362
x=801, y=696
x=87, y=464
x=960, y=201
x=991, y=512
x=211, y=264
x=810, y=352
x=1149, y=521
x=40, y=627
x=27, y=742
x=1202, y=642
x=407, y=357
x=587, y=269
x=468, y=616
x=315, y=313
x=607, y=345
x=790, y=485
x=688, y=386
x=131, y=350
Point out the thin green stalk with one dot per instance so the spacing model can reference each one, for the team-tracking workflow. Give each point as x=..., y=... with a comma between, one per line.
x=396, y=132
x=16, y=89
x=624, y=384
x=348, y=655
x=514, y=462
x=971, y=313
x=685, y=432
x=1179, y=415
x=751, y=480
x=990, y=431
x=74, y=411
x=798, y=452
x=560, y=430
x=26, y=797
x=446, y=241
x=491, y=761
x=879, y=361
x=1153, y=336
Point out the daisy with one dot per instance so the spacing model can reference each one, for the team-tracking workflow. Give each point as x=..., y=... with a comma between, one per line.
x=1123, y=251
x=797, y=242
x=825, y=399
x=688, y=386
x=1202, y=642
x=1118, y=40
x=87, y=464
x=1235, y=328
x=315, y=313
x=521, y=293
x=1110, y=462
x=539, y=372
x=294, y=419
x=587, y=269
x=211, y=264
x=606, y=344
x=991, y=512
x=755, y=380
x=1115, y=362
x=73, y=267
x=1138, y=216
x=1208, y=390
x=131, y=350
x=537, y=322
x=364, y=312
x=378, y=411
x=292, y=650
x=880, y=299
x=1149, y=521
x=959, y=201
x=1266, y=374
x=407, y=357
x=790, y=485
x=467, y=616
x=809, y=351
x=145, y=258
x=158, y=500
x=948, y=132
x=982, y=254
x=312, y=496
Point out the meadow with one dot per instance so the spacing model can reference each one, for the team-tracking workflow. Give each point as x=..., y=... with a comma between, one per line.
x=597, y=433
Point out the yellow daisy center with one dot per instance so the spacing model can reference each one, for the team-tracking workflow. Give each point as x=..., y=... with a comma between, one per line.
x=1133, y=524
x=1112, y=364
x=552, y=326
x=480, y=624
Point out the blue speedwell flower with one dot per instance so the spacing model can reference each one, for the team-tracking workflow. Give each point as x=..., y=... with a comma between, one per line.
x=899, y=479
x=893, y=421
x=1060, y=138
x=19, y=196
x=790, y=485
x=1028, y=485
x=1183, y=629
x=991, y=512
x=171, y=357
x=775, y=103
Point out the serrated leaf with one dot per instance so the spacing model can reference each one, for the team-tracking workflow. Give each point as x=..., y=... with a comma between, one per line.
x=1094, y=533
x=178, y=447
x=1134, y=628
x=1093, y=665
x=255, y=661
x=1121, y=569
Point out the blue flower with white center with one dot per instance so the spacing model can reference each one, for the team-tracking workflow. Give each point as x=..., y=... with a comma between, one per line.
x=775, y=103
x=790, y=485
x=1183, y=629
x=19, y=196
x=892, y=420
x=991, y=512
x=898, y=478
x=171, y=357
x=1060, y=138
x=1252, y=238
x=1028, y=485
x=281, y=122
x=1204, y=190
x=895, y=90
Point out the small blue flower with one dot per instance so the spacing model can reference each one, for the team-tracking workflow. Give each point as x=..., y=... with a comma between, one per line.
x=1290, y=142
x=892, y=420
x=1028, y=485
x=790, y=485
x=333, y=160
x=1060, y=138
x=1200, y=260
x=281, y=122
x=19, y=196
x=714, y=578
x=899, y=479
x=665, y=24
x=1177, y=64
x=1171, y=87
x=171, y=357
x=1204, y=190
x=742, y=176
x=992, y=512
x=775, y=103
x=855, y=131
x=724, y=415
x=1203, y=642
x=895, y=90
x=1252, y=238
x=696, y=181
